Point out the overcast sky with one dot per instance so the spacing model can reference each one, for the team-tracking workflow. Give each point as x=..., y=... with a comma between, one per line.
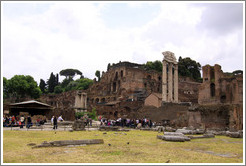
x=40, y=38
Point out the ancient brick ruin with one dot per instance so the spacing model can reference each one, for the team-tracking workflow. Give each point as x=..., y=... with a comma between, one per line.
x=128, y=90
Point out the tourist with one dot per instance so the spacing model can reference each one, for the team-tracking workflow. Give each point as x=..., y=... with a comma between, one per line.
x=150, y=123
x=22, y=121
x=29, y=122
x=55, y=123
x=38, y=122
x=13, y=120
x=90, y=121
x=4, y=121
x=7, y=121
x=60, y=119
x=52, y=120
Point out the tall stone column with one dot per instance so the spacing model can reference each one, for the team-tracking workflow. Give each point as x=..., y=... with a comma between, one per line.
x=176, y=83
x=170, y=82
x=85, y=101
x=164, y=81
x=82, y=101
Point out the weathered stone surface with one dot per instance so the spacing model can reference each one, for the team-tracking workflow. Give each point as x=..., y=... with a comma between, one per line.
x=173, y=138
x=173, y=134
x=109, y=128
x=219, y=87
x=69, y=142
x=238, y=134
x=184, y=131
x=78, y=125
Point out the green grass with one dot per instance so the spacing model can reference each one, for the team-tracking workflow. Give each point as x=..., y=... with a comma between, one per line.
x=144, y=147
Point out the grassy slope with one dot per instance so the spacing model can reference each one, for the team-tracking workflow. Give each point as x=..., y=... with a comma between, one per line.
x=144, y=147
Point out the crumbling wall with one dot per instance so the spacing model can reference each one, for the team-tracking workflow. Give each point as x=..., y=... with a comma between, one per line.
x=236, y=117
x=174, y=112
x=63, y=104
x=220, y=116
x=188, y=90
x=219, y=87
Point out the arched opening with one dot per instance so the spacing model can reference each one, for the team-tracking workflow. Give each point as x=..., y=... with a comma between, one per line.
x=119, y=84
x=103, y=100
x=114, y=86
x=116, y=76
x=97, y=100
x=121, y=73
x=223, y=99
x=212, y=89
x=159, y=78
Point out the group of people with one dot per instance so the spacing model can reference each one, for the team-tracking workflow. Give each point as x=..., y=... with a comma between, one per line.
x=21, y=121
x=126, y=122
x=54, y=121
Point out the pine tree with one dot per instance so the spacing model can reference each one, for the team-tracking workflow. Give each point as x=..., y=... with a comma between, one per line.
x=42, y=85
x=51, y=83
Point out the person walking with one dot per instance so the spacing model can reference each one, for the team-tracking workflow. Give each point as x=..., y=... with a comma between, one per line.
x=55, y=123
x=29, y=122
x=52, y=120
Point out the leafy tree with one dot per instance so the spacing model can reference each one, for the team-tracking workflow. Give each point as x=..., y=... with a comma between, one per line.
x=84, y=83
x=71, y=86
x=98, y=75
x=42, y=86
x=79, y=84
x=5, y=88
x=70, y=73
x=58, y=89
x=65, y=82
x=21, y=86
x=156, y=65
x=190, y=68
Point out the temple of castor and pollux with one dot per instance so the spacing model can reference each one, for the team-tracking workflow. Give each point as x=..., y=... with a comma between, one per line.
x=128, y=90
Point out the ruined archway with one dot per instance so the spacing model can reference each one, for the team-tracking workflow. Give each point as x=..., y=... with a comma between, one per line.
x=212, y=89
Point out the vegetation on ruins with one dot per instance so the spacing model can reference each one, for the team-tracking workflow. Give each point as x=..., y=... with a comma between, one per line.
x=186, y=67
x=189, y=68
x=54, y=86
x=237, y=72
x=143, y=147
x=98, y=75
x=20, y=86
x=156, y=65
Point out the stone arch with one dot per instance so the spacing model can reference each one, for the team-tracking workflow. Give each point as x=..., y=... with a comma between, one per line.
x=116, y=75
x=114, y=86
x=118, y=84
x=97, y=100
x=103, y=100
x=123, y=92
x=121, y=73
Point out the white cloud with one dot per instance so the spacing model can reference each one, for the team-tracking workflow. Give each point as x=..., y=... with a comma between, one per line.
x=75, y=35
